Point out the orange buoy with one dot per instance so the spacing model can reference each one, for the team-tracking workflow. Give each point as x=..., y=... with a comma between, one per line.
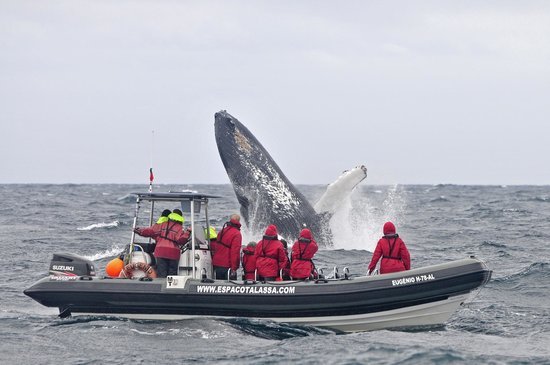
x=114, y=267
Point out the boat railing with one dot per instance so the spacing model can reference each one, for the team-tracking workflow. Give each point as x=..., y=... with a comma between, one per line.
x=320, y=276
x=375, y=272
x=204, y=276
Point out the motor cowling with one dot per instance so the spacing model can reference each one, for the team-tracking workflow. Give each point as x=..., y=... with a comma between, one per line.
x=68, y=264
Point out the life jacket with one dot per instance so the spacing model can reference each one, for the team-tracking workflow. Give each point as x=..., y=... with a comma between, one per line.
x=303, y=251
x=394, y=254
x=270, y=256
x=211, y=233
x=391, y=246
x=162, y=219
x=169, y=236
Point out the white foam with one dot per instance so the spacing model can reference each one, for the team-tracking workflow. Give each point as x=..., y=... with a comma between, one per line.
x=99, y=225
x=127, y=197
x=357, y=224
x=113, y=251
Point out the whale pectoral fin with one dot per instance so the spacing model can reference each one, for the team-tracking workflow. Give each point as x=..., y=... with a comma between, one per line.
x=340, y=189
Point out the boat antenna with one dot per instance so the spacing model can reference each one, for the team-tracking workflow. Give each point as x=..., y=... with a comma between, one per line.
x=151, y=176
x=128, y=259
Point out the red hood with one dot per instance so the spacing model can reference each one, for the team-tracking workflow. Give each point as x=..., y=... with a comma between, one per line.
x=389, y=228
x=271, y=230
x=306, y=233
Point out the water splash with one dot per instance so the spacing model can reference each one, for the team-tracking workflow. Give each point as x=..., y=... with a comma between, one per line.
x=357, y=220
x=357, y=224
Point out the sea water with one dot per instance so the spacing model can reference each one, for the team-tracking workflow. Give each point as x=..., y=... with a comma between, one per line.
x=507, y=322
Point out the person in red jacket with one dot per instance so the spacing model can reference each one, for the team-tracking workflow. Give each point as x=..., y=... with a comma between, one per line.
x=249, y=262
x=303, y=251
x=270, y=255
x=226, y=250
x=392, y=249
x=169, y=236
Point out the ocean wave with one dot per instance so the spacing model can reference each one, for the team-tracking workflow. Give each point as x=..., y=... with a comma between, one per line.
x=85, y=319
x=155, y=333
x=440, y=198
x=515, y=210
x=533, y=269
x=272, y=330
x=114, y=251
x=99, y=225
x=128, y=198
x=493, y=244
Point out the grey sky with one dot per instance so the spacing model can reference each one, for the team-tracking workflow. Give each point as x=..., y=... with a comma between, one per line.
x=418, y=91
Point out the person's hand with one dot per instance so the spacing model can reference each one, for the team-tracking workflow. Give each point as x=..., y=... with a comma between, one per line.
x=233, y=275
x=137, y=230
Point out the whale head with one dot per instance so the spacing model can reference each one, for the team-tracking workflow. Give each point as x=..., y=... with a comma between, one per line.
x=265, y=194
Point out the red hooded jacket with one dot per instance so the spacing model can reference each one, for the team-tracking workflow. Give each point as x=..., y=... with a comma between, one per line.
x=249, y=263
x=270, y=254
x=303, y=251
x=392, y=249
x=226, y=250
x=169, y=236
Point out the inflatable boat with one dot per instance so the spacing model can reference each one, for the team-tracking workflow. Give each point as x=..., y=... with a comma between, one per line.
x=418, y=297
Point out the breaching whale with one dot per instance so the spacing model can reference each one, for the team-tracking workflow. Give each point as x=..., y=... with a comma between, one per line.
x=265, y=194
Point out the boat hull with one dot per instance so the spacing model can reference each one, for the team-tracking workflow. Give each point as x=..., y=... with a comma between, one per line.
x=419, y=297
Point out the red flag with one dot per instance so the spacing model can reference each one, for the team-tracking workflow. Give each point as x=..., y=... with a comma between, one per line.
x=151, y=176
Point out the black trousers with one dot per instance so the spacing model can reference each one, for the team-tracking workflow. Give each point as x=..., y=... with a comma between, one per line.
x=220, y=273
x=268, y=278
x=166, y=267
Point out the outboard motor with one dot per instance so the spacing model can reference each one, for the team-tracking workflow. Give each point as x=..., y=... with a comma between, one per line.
x=70, y=265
